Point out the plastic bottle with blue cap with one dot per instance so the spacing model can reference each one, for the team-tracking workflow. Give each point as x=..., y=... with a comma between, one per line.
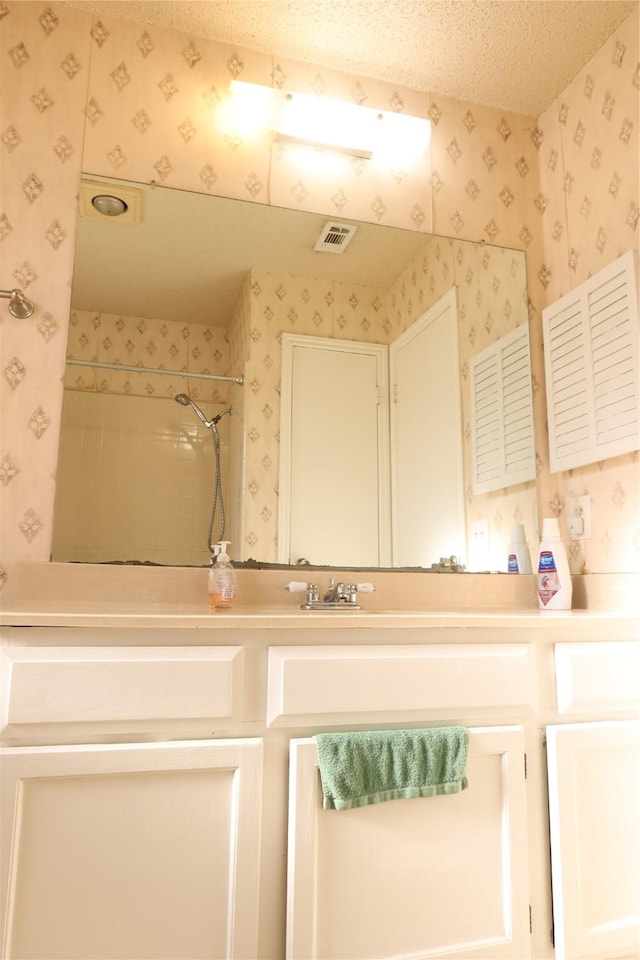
x=554, y=576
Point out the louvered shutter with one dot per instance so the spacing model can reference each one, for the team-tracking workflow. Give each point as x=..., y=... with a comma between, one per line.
x=502, y=414
x=592, y=369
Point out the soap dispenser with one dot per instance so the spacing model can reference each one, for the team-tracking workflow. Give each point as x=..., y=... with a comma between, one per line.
x=212, y=587
x=222, y=578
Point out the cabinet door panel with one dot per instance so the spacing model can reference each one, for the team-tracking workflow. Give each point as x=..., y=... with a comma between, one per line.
x=417, y=878
x=594, y=811
x=131, y=852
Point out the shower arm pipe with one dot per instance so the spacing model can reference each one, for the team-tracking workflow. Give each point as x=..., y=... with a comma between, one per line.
x=167, y=373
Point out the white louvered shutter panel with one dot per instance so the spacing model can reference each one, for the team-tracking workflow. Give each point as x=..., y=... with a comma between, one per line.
x=502, y=414
x=592, y=369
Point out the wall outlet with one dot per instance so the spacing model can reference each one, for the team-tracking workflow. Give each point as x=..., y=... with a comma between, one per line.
x=479, y=545
x=480, y=533
x=579, y=517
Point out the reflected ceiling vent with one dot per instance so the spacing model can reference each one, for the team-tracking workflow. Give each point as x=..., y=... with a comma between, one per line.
x=117, y=202
x=335, y=237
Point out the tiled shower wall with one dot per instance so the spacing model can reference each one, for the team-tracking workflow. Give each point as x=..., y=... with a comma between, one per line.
x=135, y=480
x=119, y=99
x=136, y=470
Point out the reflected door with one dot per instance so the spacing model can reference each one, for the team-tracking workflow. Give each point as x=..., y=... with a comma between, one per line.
x=333, y=496
x=428, y=519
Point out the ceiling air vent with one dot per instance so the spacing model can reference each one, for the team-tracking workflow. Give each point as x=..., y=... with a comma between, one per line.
x=335, y=237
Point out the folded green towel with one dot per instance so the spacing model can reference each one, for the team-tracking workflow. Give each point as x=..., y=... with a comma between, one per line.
x=372, y=766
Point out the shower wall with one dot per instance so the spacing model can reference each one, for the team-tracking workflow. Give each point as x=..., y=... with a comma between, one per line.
x=136, y=470
x=135, y=480
x=147, y=342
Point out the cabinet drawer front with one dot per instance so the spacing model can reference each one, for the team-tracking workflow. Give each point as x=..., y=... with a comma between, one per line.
x=602, y=675
x=120, y=685
x=340, y=684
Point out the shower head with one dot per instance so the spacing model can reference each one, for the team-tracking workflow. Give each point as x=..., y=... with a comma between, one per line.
x=20, y=306
x=186, y=401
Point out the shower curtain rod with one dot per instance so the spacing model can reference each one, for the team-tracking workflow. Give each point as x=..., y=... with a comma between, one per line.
x=173, y=373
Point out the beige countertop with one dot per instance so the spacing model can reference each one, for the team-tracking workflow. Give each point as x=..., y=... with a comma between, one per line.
x=92, y=595
x=114, y=614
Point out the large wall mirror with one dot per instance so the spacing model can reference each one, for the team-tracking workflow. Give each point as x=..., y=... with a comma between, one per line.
x=203, y=289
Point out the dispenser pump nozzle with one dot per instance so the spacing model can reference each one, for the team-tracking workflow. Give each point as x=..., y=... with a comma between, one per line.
x=222, y=549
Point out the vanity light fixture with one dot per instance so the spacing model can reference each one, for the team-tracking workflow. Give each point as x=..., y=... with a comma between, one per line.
x=324, y=123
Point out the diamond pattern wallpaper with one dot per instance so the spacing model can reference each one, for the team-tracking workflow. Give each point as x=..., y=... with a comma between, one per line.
x=105, y=97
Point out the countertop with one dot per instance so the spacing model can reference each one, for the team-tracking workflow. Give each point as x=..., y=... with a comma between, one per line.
x=93, y=595
x=116, y=614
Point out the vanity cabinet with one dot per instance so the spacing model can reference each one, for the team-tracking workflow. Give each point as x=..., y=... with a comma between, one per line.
x=162, y=798
x=136, y=849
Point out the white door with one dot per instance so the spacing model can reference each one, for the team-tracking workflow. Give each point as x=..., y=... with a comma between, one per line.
x=594, y=810
x=131, y=851
x=334, y=459
x=428, y=514
x=423, y=878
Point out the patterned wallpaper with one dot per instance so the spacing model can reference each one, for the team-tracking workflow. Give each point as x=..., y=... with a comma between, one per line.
x=590, y=215
x=117, y=99
x=147, y=342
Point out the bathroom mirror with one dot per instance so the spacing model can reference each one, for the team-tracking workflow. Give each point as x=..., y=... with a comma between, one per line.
x=201, y=285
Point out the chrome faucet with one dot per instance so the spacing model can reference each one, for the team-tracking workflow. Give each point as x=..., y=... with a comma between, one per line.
x=340, y=592
x=338, y=596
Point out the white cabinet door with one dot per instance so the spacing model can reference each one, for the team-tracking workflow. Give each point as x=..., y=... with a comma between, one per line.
x=424, y=878
x=594, y=811
x=131, y=851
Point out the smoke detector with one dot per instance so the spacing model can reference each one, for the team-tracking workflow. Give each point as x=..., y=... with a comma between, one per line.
x=335, y=237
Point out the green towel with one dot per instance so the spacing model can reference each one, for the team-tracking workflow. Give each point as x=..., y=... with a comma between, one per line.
x=372, y=766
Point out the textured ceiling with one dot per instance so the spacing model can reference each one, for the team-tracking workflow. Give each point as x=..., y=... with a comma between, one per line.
x=511, y=54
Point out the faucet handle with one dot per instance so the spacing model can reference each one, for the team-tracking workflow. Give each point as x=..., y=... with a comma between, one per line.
x=365, y=587
x=295, y=586
x=298, y=586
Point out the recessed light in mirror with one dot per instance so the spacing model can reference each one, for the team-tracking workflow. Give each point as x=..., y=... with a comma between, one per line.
x=94, y=194
x=109, y=205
